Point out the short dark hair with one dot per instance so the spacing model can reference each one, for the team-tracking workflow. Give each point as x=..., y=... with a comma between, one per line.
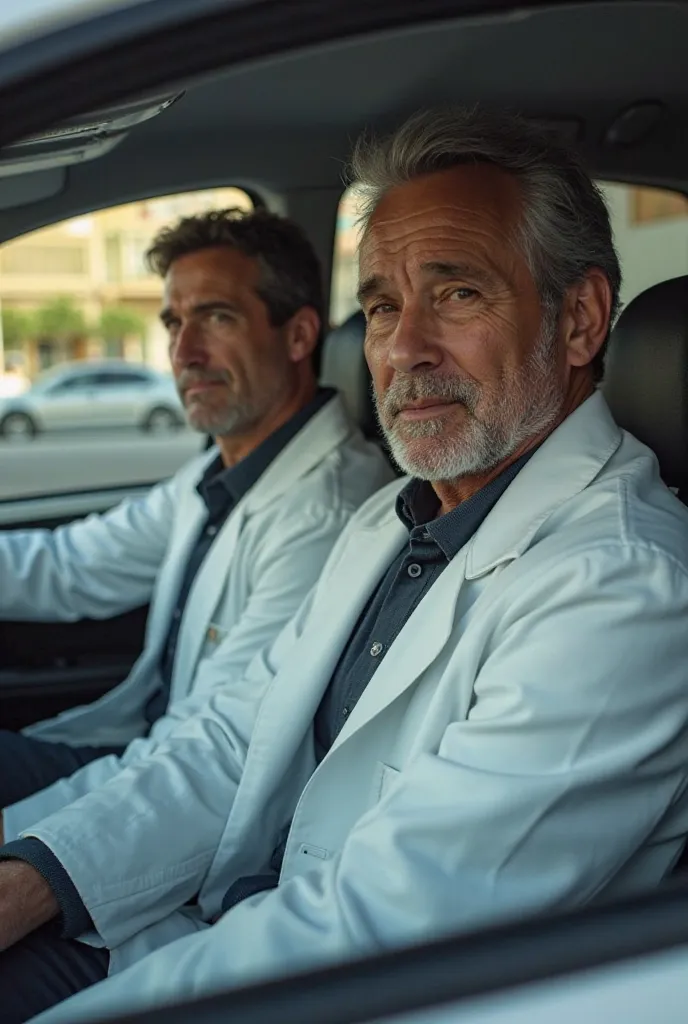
x=565, y=229
x=290, y=270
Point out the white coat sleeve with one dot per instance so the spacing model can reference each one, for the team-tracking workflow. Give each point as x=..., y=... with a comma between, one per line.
x=171, y=806
x=97, y=567
x=283, y=573
x=574, y=752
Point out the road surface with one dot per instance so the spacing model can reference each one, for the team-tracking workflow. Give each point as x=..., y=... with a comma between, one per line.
x=75, y=462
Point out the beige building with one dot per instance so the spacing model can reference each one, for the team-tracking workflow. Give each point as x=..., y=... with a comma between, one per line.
x=95, y=263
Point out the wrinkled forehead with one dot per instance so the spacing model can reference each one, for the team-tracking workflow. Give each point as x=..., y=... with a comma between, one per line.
x=473, y=209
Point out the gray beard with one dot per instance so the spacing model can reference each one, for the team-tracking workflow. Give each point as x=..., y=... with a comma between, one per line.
x=236, y=420
x=522, y=408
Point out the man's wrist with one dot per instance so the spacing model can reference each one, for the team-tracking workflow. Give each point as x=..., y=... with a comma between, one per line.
x=26, y=902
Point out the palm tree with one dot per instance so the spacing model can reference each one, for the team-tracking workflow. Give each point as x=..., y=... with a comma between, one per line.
x=116, y=324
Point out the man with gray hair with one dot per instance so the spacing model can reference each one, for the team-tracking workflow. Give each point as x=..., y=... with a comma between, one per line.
x=433, y=751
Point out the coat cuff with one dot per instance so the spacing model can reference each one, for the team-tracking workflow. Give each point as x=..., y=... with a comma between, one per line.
x=76, y=919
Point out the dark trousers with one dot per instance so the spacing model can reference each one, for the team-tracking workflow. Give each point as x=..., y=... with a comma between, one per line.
x=43, y=970
x=28, y=765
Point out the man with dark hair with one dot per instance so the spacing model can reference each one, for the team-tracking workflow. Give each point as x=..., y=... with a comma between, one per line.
x=481, y=710
x=290, y=276
x=227, y=550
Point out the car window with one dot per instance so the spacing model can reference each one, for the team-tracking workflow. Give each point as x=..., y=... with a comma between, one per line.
x=123, y=378
x=79, y=292
x=650, y=228
x=71, y=384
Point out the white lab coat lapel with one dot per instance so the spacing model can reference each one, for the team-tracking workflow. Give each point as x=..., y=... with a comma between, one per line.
x=203, y=599
x=419, y=642
x=191, y=516
x=290, y=704
x=585, y=442
x=328, y=429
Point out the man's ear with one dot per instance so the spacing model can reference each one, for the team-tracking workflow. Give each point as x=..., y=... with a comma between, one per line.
x=585, y=319
x=302, y=334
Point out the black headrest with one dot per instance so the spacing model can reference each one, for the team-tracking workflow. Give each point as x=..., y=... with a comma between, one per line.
x=344, y=367
x=646, y=376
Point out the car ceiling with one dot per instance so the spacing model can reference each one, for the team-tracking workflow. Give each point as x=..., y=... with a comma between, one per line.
x=285, y=124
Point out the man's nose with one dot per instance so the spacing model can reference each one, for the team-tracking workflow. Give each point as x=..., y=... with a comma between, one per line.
x=188, y=348
x=414, y=344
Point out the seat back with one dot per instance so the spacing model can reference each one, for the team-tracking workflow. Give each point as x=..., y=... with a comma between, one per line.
x=344, y=367
x=646, y=385
x=646, y=378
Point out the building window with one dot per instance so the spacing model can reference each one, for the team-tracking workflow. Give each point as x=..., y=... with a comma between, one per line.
x=45, y=260
x=113, y=258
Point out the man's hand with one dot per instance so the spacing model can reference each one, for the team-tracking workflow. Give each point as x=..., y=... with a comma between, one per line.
x=26, y=901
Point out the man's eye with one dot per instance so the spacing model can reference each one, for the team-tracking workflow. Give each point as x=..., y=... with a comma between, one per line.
x=380, y=307
x=218, y=316
x=462, y=294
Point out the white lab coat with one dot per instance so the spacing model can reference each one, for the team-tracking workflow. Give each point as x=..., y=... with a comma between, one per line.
x=523, y=745
x=265, y=559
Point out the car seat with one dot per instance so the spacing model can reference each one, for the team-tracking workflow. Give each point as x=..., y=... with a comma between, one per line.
x=646, y=376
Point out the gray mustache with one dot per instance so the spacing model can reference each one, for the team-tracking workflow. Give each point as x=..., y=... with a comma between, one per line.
x=403, y=390
x=189, y=378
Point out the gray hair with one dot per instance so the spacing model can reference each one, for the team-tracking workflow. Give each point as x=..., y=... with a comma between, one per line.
x=565, y=230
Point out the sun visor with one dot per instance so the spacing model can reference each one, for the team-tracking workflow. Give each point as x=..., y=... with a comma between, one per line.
x=82, y=138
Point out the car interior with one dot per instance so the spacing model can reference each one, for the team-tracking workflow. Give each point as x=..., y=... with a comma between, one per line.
x=260, y=125
x=275, y=112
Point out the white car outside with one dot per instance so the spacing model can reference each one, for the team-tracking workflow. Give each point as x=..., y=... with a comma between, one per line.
x=90, y=395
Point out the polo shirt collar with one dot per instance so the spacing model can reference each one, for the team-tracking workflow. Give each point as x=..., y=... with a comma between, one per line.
x=417, y=507
x=222, y=487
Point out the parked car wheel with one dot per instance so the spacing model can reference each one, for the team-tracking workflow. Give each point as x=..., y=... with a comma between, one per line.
x=161, y=421
x=18, y=426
